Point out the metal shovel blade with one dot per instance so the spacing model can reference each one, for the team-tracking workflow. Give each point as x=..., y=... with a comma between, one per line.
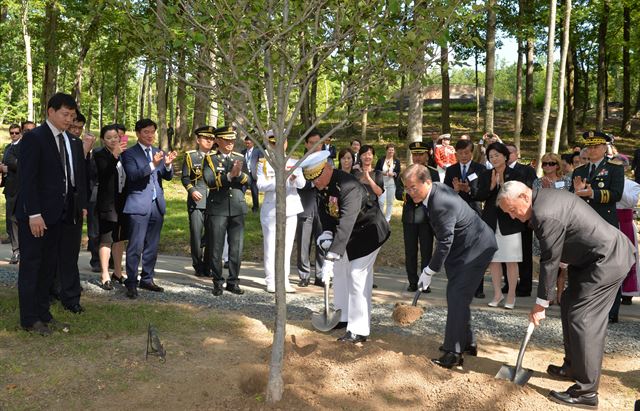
x=517, y=374
x=329, y=318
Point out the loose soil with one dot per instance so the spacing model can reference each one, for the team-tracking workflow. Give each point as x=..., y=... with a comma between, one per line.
x=226, y=368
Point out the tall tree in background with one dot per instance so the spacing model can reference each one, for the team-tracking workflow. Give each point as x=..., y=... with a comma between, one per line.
x=27, y=52
x=548, y=93
x=626, y=69
x=601, y=94
x=571, y=92
x=49, y=84
x=561, y=75
x=444, y=75
x=528, y=122
x=490, y=66
x=161, y=76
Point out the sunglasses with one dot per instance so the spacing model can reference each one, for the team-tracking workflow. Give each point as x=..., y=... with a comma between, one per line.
x=14, y=133
x=549, y=163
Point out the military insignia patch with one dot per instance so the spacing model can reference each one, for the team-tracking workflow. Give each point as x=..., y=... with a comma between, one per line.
x=333, y=208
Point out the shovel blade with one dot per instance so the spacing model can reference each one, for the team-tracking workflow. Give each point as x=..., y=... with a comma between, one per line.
x=519, y=377
x=323, y=322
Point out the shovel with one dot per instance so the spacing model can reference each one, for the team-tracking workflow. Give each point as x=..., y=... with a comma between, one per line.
x=327, y=320
x=518, y=375
x=416, y=296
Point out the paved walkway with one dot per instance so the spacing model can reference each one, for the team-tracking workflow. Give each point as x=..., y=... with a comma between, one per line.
x=391, y=283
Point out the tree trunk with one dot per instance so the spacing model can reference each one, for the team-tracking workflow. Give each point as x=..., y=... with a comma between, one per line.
x=477, y=92
x=101, y=102
x=149, y=93
x=626, y=76
x=561, y=75
x=202, y=98
x=116, y=94
x=161, y=80
x=585, y=97
x=143, y=89
x=571, y=95
x=51, y=56
x=402, y=133
x=313, y=95
x=125, y=81
x=444, y=75
x=87, y=39
x=602, y=66
x=528, y=123
x=517, y=123
x=365, y=123
x=548, y=93
x=490, y=66
x=181, y=127
x=27, y=51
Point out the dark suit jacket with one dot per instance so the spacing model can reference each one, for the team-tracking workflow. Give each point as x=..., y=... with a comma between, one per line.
x=570, y=231
x=491, y=213
x=253, y=161
x=396, y=166
x=10, y=159
x=42, y=177
x=139, y=186
x=527, y=174
x=358, y=225
x=473, y=168
x=461, y=235
x=109, y=202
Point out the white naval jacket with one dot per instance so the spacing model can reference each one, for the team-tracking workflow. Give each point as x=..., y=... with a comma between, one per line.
x=267, y=184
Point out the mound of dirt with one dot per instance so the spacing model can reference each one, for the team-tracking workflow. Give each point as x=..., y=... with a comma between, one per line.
x=404, y=314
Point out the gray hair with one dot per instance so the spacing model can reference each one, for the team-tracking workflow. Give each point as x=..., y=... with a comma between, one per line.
x=511, y=190
x=418, y=171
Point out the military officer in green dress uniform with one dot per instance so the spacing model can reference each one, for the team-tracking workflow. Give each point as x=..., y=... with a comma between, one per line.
x=600, y=183
x=415, y=227
x=197, y=196
x=227, y=177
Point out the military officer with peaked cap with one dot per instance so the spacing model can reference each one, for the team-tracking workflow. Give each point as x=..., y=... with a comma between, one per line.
x=415, y=227
x=227, y=177
x=354, y=230
x=197, y=195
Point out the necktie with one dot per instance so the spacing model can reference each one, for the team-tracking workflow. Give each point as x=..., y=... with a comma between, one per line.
x=64, y=160
x=592, y=172
x=464, y=172
x=153, y=175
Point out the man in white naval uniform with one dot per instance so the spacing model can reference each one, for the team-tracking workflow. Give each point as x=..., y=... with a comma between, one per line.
x=354, y=230
x=266, y=180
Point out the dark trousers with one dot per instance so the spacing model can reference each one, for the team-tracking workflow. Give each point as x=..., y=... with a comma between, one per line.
x=38, y=262
x=525, y=267
x=93, y=234
x=12, y=226
x=415, y=234
x=196, y=237
x=615, y=308
x=68, y=275
x=584, y=313
x=217, y=226
x=255, y=198
x=462, y=283
x=307, y=231
x=144, y=237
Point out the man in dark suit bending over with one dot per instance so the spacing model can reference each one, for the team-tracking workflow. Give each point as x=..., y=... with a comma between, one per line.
x=464, y=247
x=564, y=225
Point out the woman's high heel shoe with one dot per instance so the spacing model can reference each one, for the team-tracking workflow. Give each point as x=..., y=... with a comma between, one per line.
x=119, y=280
x=510, y=306
x=495, y=303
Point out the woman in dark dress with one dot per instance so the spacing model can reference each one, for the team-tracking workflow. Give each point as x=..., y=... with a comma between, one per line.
x=109, y=204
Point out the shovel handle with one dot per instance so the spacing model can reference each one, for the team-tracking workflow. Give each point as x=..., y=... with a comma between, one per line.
x=416, y=296
x=326, y=297
x=523, y=346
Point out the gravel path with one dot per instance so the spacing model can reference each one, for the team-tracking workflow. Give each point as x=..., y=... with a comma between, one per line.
x=503, y=326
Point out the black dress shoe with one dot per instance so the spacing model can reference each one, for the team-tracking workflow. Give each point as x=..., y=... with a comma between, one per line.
x=39, y=328
x=75, y=308
x=613, y=320
x=523, y=293
x=559, y=372
x=303, y=283
x=319, y=282
x=471, y=350
x=352, y=338
x=119, y=280
x=217, y=290
x=626, y=300
x=341, y=325
x=107, y=286
x=449, y=360
x=132, y=293
x=479, y=294
x=586, y=401
x=151, y=287
x=15, y=257
x=95, y=269
x=412, y=287
x=56, y=325
x=235, y=289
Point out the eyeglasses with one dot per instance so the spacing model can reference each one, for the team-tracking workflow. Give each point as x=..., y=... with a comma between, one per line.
x=14, y=133
x=413, y=189
x=549, y=163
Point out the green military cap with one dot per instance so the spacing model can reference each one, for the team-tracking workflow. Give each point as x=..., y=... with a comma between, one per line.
x=205, y=131
x=418, y=147
x=226, y=132
x=595, y=138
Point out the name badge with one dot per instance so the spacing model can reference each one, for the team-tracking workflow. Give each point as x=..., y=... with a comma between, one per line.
x=472, y=176
x=559, y=184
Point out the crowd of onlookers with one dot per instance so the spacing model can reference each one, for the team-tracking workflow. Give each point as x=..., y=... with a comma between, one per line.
x=121, y=198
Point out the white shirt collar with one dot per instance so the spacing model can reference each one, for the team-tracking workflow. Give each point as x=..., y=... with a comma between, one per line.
x=426, y=200
x=465, y=164
x=513, y=165
x=145, y=147
x=53, y=128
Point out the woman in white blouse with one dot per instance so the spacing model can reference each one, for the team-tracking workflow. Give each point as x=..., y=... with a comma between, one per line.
x=267, y=184
x=389, y=166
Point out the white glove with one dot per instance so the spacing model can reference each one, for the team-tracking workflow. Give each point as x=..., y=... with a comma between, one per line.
x=327, y=270
x=425, y=280
x=324, y=240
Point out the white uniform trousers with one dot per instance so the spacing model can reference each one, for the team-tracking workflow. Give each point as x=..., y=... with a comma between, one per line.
x=269, y=236
x=352, y=287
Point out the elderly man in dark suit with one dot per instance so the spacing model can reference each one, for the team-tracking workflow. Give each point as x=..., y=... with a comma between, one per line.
x=565, y=226
x=50, y=207
x=145, y=167
x=464, y=247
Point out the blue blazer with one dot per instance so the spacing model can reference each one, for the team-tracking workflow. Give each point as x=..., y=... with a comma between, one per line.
x=141, y=181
